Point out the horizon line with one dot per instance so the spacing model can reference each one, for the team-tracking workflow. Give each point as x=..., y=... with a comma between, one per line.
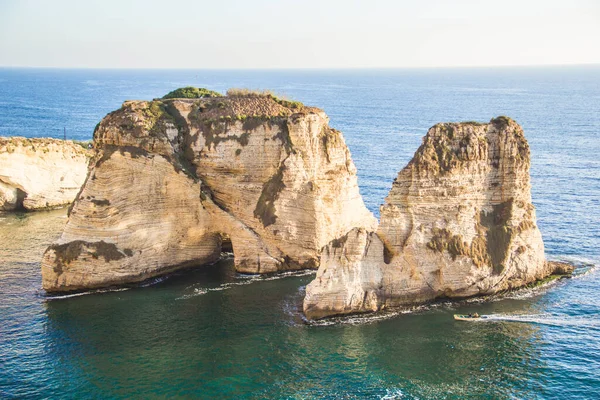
x=594, y=64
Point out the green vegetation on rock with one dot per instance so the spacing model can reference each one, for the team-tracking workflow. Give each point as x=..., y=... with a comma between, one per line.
x=237, y=92
x=501, y=121
x=86, y=144
x=545, y=281
x=244, y=92
x=190, y=92
x=476, y=123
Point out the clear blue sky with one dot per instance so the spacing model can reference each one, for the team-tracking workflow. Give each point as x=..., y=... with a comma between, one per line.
x=297, y=34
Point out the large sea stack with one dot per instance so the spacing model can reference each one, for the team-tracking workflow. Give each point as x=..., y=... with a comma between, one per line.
x=458, y=222
x=175, y=179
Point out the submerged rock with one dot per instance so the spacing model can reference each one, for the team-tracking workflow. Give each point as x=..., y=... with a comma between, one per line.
x=173, y=180
x=40, y=173
x=458, y=222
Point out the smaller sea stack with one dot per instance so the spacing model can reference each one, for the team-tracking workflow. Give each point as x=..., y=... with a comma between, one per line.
x=458, y=222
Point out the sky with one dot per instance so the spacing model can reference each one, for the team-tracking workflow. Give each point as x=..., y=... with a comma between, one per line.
x=297, y=34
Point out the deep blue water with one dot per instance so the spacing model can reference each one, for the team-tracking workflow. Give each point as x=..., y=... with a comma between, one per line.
x=211, y=332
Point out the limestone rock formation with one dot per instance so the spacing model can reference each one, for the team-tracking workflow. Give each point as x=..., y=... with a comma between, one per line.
x=174, y=179
x=40, y=173
x=458, y=222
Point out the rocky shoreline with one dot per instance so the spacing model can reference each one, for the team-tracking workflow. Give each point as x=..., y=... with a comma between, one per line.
x=173, y=181
x=40, y=173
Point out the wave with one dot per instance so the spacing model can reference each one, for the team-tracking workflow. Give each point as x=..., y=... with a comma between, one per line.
x=392, y=394
x=583, y=270
x=369, y=318
x=68, y=296
x=516, y=294
x=584, y=267
x=288, y=274
x=544, y=319
x=578, y=261
x=357, y=319
x=146, y=283
x=244, y=279
x=153, y=281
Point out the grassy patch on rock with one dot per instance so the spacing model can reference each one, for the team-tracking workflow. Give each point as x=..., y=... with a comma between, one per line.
x=545, y=281
x=242, y=92
x=501, y=121
x=190, y=92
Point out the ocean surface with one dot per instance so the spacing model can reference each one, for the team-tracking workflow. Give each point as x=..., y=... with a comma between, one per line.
x=210, y=332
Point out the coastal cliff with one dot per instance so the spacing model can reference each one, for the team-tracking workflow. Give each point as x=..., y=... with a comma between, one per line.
x=458, y=222
x=40, y=173
x=175, y=179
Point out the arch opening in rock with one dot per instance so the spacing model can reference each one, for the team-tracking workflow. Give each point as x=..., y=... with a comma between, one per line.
x=174, y=182
x=12, y=197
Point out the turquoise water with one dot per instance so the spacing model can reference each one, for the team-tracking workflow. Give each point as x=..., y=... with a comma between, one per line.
x=209, y=332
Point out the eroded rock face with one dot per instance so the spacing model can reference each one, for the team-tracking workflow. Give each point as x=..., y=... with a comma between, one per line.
x=40, y=173
x=172, y=179
x=457, y=222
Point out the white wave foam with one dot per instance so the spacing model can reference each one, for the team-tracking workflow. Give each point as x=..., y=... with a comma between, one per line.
x=582, y=273
x=369, y=318
x=67, y=296
x=289, y=274
x=521, y=293
x=154, y=281
x=392, y=394
x=578, y=261
x=247, y=279
x=544, y=319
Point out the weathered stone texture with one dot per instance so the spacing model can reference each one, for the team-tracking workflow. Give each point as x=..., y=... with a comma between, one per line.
x=40, y=173
x=458, y=222
x=171, y=179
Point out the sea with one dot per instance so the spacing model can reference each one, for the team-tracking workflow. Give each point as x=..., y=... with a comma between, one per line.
x=209, y=332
